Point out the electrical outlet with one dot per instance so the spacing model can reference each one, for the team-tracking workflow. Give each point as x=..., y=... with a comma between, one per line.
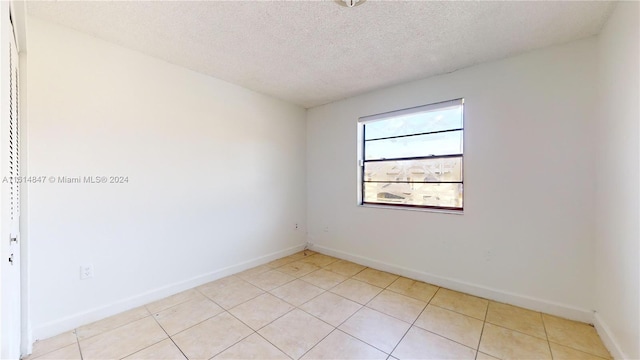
x=488, y=256
x=297, y=226
x=86, y=271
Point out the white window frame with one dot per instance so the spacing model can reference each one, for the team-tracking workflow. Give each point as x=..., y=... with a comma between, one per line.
x=361, y=151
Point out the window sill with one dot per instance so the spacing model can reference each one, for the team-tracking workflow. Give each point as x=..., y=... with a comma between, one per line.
x=410, y=208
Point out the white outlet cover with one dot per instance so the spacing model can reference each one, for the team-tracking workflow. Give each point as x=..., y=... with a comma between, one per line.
x=86, y=272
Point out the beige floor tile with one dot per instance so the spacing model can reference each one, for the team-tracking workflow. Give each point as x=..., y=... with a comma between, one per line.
x=331, y=308
x=577, y=335
x=560, y=352
x=289, y=259
x=297, y=292
x=164, y=350
x=211, y=337
x=229, y=292
x=483, y=356
x=185, y=315
x=221, y=283
x=324, y=278
x=298, y=268
x=296, y=332
x=375, y=328
x=376, y=277
x=399, y=306
x=508, y=344
x=357, y=291
x=173, y=300
x=123, y=341
x=270, y=279
x=260, y=311
x=249, y=273
x=339, y=345
x=69, y=352
x=279, y=262
x=44, y=346
x=253, y=347
x=421, y=344
x=306, y=253
x=346, y=268
x=462, y=303
x=452, y=325
x=516, y=318
x=415, y=289
x=111, y=322
x=320, y=260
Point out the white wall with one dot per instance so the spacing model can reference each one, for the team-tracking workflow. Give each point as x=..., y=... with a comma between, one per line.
x=618, y=179
x=526, y=236
x=216, y=177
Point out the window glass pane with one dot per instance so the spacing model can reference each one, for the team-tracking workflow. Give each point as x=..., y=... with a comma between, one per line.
x=416, y=123
x=420, y=145
x=441, y=195
x=442, y=169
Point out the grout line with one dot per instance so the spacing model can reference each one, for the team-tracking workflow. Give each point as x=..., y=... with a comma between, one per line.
x=459, y=313
x=363, y=341
x=444, y=337
x=480, y=339
x=274, y=345
x=318, y=343
x=484, y=322
x=355, y=312
x=440, y=335
x=144, y=348
x=146, y=306
x=298, y=306
x=516, y=331
x=307, y=281
x=113, y=328
x=225, y=309
x=75, y=331
x=228, y=347
x=196, y=324
x=332, y=293
x=335, y=328
x=268, y=290
x=267, y=324
x=30, y=356
x=578, y=350
x=410, y=326
x=248, y=273
x=544, y=326
x=168, y=336
x=274, y=320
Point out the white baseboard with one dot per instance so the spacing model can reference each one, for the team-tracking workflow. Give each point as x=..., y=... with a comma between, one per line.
x=607, y=337
x=549, y=307
x=85, y=317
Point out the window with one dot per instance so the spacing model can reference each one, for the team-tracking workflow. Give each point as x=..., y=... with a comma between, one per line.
x=413, y=157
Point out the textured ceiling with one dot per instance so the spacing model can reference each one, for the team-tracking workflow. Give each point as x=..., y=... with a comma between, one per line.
x=315, y=52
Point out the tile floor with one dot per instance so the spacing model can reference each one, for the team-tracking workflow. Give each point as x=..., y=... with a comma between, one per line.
x=312, y=306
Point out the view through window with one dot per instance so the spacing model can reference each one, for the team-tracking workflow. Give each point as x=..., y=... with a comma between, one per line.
x=413, y=157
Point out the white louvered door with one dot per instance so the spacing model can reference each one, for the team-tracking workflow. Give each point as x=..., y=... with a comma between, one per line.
x=10, y=309
x=14, y=141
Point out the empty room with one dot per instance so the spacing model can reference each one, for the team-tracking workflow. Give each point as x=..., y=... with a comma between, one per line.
x=348, y=179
